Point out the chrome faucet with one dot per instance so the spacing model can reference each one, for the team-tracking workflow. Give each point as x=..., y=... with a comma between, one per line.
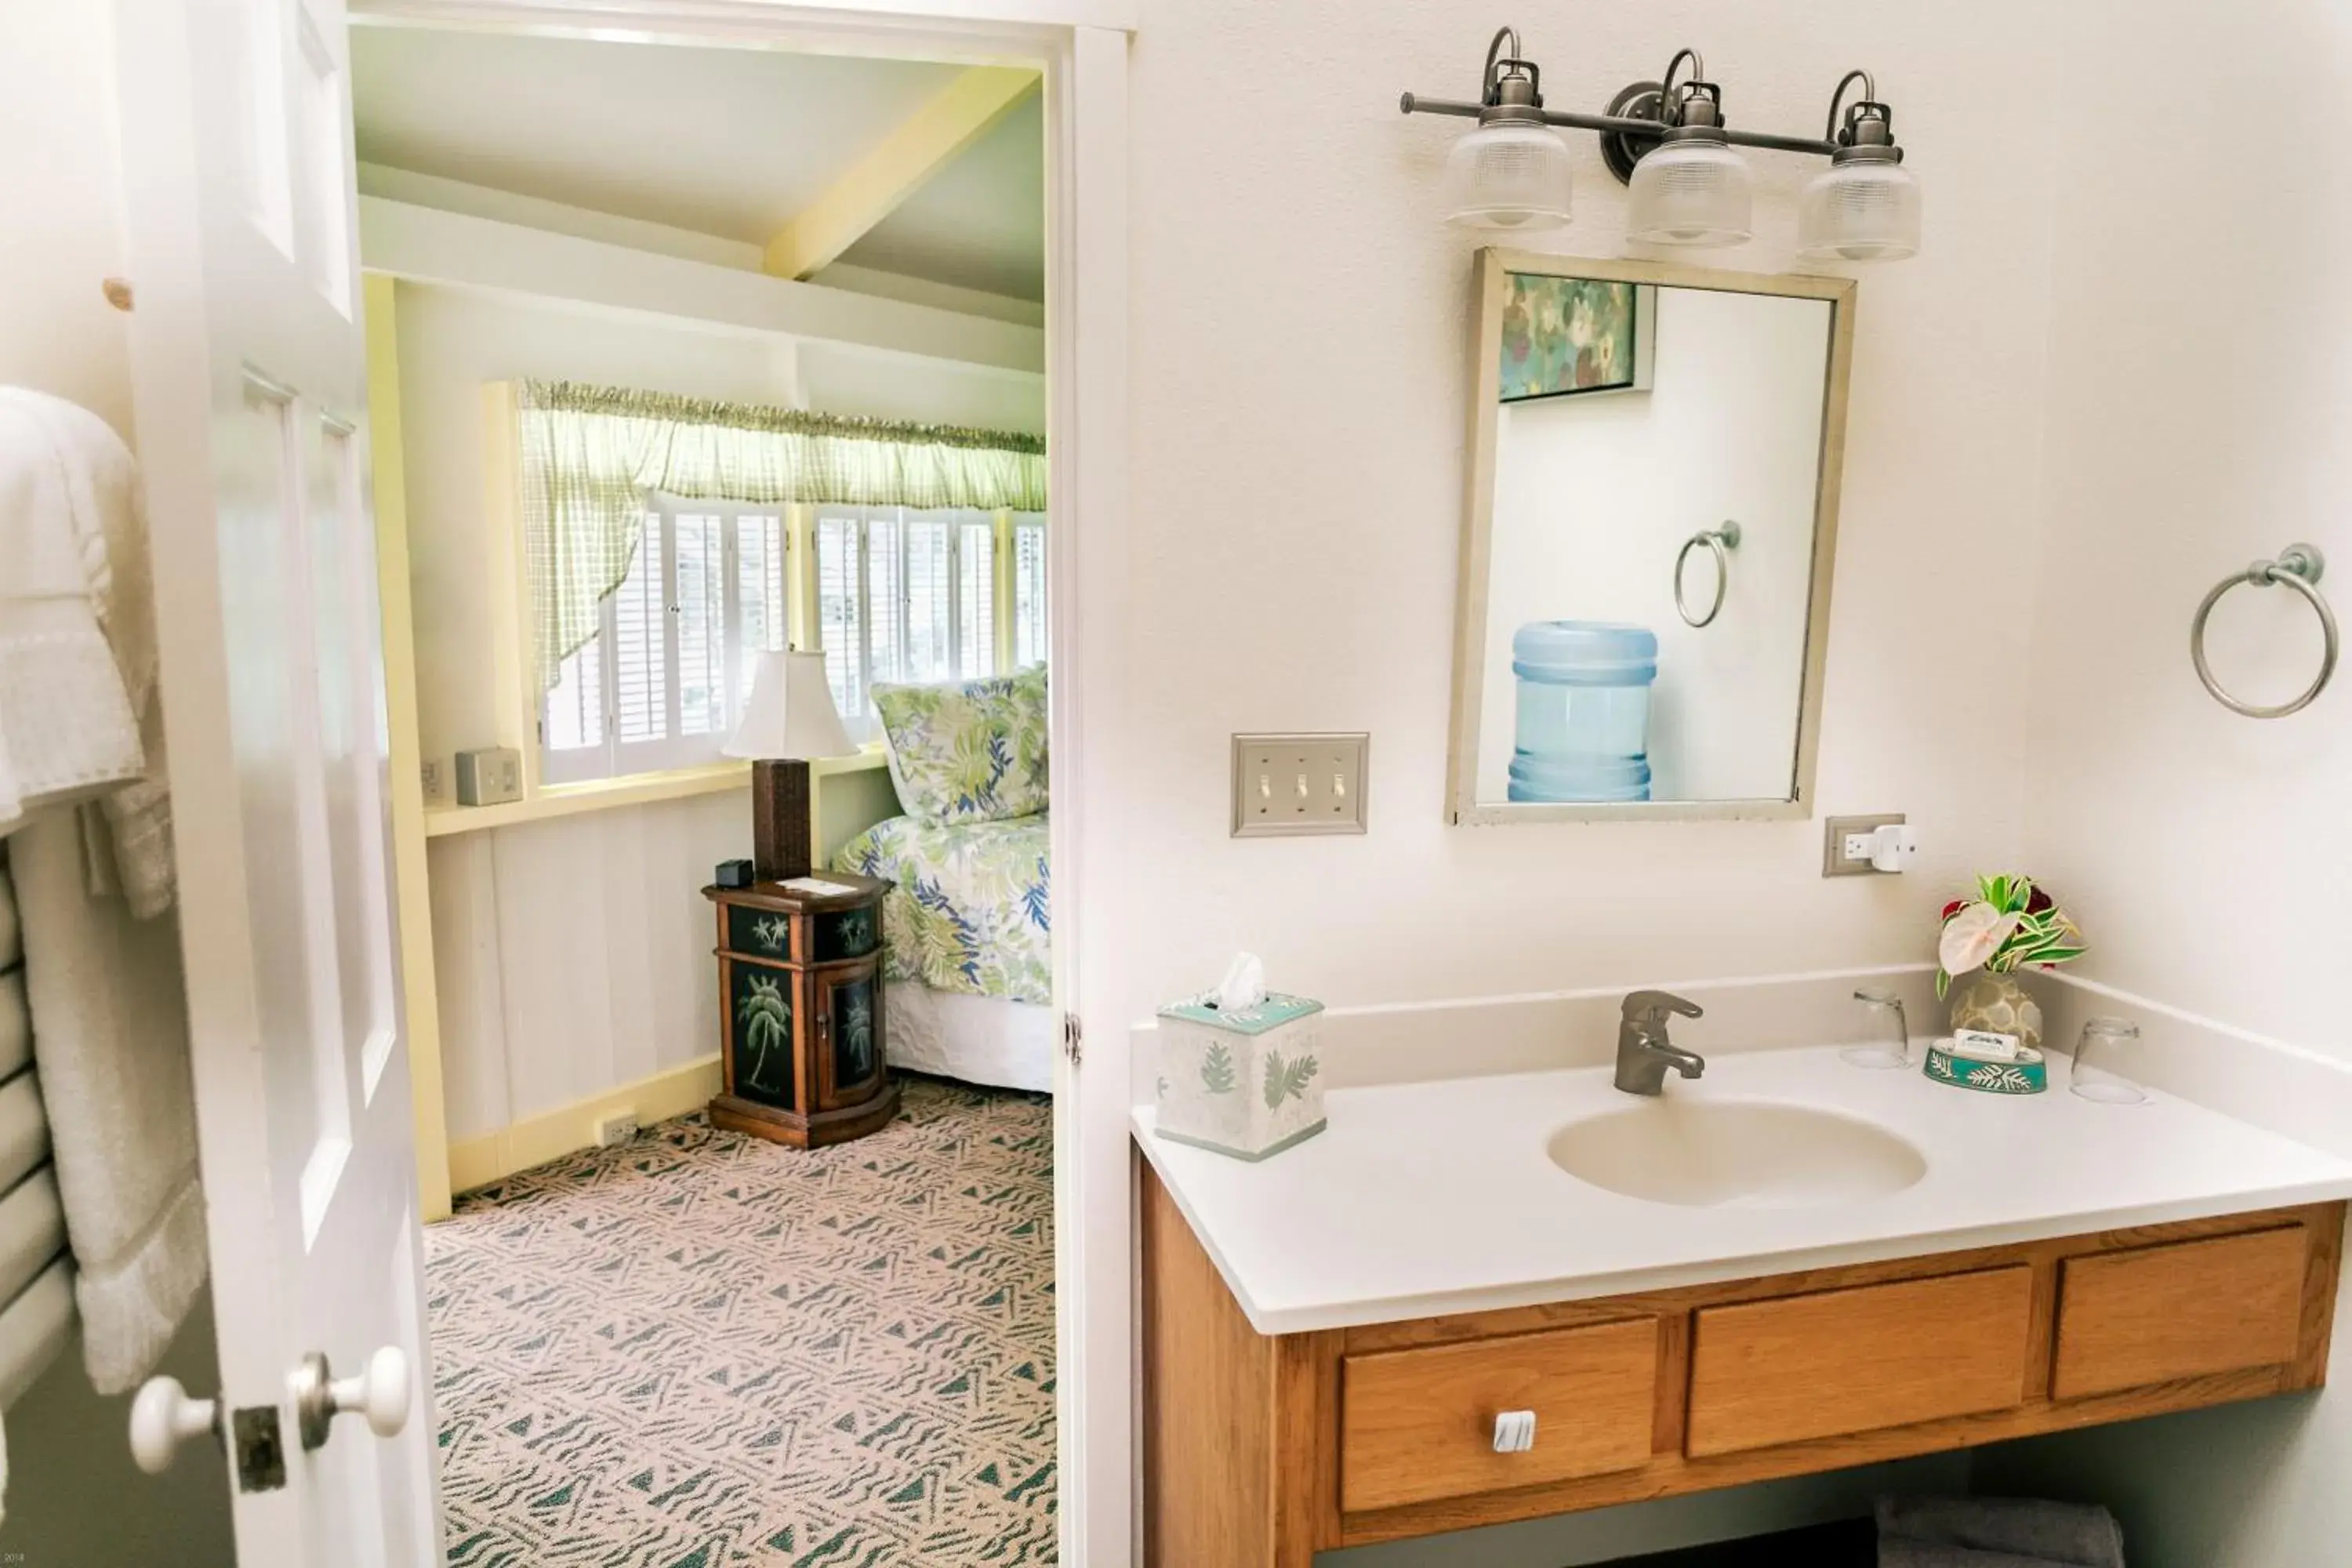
x=1643, y=1052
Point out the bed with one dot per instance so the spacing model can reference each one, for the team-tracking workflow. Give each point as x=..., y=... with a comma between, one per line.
x=967, y=950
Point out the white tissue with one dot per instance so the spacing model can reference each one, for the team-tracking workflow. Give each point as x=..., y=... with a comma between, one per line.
x=1244, y=986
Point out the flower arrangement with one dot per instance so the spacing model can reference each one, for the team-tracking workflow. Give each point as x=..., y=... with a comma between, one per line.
x=2009, y=924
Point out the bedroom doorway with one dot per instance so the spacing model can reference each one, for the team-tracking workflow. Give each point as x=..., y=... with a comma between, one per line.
x=649, y=1333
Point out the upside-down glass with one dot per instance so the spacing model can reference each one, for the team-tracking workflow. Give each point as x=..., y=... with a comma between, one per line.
x=2102, y=1055
x=1889, y=1042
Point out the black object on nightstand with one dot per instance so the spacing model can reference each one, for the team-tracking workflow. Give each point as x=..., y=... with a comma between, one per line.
x=800, y=1004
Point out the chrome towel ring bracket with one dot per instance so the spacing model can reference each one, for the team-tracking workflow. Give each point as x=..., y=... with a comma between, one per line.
x=1722, y=541
x=2299, y=567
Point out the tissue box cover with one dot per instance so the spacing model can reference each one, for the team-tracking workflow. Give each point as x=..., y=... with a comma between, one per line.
x=1243, y=1082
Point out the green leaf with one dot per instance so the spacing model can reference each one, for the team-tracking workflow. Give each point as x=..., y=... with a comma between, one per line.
x=1217, y=1069
x=1287, y=1080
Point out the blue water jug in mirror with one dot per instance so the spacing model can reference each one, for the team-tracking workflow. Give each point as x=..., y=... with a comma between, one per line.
x=1584, y=711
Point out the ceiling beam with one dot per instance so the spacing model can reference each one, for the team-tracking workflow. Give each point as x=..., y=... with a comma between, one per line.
x=925, y=142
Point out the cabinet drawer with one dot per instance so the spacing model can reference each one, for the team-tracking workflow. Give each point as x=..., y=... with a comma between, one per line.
x=2129, y=1318
x=1767, y=1372
x=1419, y=1424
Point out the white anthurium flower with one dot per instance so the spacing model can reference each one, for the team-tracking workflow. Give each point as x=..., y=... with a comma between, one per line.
x=1971, y=937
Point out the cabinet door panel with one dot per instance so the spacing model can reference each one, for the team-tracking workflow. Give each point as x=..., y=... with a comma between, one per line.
x=1766, y=1373
x=2127, y=1320
x=1419, y=1424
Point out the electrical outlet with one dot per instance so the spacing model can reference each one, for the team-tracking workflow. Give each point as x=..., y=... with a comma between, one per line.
x=1298, y=784
x=618, y=1128
x=1846, y=844
x=434, y=772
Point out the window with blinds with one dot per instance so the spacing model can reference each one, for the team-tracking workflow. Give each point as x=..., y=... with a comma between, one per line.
x=660, y=685
x=895, y=596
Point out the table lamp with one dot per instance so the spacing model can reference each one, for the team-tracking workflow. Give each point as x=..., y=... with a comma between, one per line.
x=788, y=719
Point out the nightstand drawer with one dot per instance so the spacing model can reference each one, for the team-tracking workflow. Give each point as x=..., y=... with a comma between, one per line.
x=756, y=932
x=1418, y=1425
x=836, y=934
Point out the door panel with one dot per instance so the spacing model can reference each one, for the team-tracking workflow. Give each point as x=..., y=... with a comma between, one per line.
x=249, y=383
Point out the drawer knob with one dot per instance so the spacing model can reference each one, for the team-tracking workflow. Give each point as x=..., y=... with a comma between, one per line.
x=1514, y=1431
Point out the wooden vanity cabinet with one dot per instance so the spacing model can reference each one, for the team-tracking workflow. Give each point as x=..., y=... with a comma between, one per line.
x=1260, y=1451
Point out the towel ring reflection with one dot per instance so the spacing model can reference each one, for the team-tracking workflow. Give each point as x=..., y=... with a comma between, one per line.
x=2299, y=567
x=1722, y=541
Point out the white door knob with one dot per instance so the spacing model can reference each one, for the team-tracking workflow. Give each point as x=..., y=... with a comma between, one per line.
x=162, y=1417
x=381, y=1394
x=1514, y=1431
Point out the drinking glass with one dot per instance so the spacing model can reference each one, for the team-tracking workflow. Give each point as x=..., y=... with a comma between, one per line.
x=2103, y=1056
x=1889, y=1042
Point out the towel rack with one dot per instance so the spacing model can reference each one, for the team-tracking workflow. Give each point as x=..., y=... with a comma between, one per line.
x=1722, y=541
x=2299, y=567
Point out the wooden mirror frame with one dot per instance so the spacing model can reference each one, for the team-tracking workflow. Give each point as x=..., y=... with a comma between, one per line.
x=1462, y=805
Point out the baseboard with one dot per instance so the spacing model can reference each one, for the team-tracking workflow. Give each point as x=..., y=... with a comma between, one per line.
x=552, y=1134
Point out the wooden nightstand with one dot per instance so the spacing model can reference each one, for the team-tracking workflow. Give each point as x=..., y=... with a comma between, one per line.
x=800, y=1008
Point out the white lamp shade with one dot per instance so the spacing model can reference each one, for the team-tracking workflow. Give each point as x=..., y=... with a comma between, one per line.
x=1506, y=176
x=790, y=714
x=1859, y=211
x=1695, y=194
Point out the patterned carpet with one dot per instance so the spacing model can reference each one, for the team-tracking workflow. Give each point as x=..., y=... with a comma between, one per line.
x=700, y=1349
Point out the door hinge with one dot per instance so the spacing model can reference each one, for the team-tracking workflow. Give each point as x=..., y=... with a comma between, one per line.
x=1074, y=1037
x=260, y=1454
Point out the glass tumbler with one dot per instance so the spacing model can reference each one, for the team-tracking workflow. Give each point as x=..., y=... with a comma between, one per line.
x=2103, y=1056
x=1889, y=1042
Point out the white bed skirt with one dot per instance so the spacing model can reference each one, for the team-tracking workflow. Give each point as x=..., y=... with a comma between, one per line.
x=979, y=1039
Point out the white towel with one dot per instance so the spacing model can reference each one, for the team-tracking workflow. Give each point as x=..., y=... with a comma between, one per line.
x=111, y=1041
x=78, y=718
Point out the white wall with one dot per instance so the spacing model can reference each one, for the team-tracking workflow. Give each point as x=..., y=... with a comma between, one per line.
x=2201, y=382
x=72, y=1495
x=1594, y=497
x=1300, y=352
x=574, y=956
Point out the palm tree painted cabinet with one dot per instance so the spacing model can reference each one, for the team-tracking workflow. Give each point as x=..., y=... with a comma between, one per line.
x=800, y=1004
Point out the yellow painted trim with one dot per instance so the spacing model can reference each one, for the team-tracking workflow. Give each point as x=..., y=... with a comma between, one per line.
x=805, y=627
x=872, y=188
x=513, y=671
x=552, y=1134
x=412, y=898
x=1002, y=588
x=637, y=789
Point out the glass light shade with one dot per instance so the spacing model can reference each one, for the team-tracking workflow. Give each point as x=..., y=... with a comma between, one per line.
x=790, y=714
x=1859, y=211
x=1508, y=176
x=1695, y=194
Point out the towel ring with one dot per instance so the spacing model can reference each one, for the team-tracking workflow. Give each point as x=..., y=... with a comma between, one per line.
x=2299, y=566
x=1722, y=541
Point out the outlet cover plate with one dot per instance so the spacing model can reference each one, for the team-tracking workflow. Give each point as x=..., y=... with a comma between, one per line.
x=1835, y=861
x=1306, y=783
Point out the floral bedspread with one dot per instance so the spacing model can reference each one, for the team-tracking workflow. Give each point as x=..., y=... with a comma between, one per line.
x=968, y=912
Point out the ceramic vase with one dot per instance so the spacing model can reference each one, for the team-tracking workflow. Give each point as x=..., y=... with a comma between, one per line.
x=1997, y=1002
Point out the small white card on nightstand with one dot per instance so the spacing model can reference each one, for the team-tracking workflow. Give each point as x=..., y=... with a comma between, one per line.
x=817, y=886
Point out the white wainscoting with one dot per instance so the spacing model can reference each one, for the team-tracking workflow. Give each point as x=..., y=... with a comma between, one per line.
x=574, y=956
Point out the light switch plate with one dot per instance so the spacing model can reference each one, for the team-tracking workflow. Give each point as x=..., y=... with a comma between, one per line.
x=1835, y=861
x=1287, y=784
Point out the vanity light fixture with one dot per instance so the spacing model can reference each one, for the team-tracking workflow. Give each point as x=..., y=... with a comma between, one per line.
x=1669, y=142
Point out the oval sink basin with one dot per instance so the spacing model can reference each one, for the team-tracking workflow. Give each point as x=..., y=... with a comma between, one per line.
x=1736, y=1153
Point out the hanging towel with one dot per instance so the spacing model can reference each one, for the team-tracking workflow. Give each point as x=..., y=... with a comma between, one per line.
x=1998, y=1532
x=37, y=1313
x=77, y=715
x=1895, y=1552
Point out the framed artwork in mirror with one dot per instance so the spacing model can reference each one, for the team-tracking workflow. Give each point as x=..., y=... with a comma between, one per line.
x=1648, y=539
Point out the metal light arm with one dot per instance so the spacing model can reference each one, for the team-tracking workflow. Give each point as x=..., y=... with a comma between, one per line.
x=1670, y=98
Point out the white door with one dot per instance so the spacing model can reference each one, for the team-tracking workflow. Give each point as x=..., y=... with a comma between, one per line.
x=249, y=379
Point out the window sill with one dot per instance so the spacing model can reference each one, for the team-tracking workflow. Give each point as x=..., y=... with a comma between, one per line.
x=639, y=789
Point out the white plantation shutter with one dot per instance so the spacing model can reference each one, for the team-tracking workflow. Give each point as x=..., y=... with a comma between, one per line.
x=930, y=599
x=641, y=644
x=698, y=624
x=1028, y=588
x=841, y=614
x=975, y=596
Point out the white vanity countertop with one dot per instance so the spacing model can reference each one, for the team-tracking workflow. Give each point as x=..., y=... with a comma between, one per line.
x=1422, y=1199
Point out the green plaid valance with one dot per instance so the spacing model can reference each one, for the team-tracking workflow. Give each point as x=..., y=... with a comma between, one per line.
x=591, y=456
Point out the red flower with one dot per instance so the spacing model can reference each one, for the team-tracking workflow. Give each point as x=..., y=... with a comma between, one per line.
x=2037, y=901
x=1955, y=907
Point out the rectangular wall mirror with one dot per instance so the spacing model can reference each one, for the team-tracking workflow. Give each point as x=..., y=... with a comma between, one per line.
x=1648, y=539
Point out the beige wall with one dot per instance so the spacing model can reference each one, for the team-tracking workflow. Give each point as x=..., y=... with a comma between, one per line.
x=72, y=1495
x=1301, y=321
x=2201, y=386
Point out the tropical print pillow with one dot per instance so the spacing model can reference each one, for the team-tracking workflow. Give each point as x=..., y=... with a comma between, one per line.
x=970, y=750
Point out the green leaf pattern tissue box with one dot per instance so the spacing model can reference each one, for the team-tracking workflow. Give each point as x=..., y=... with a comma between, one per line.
x=1244, y=1081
